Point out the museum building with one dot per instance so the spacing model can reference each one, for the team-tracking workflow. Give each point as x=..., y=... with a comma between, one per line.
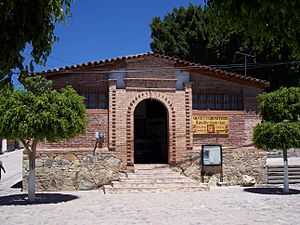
x=152, y=108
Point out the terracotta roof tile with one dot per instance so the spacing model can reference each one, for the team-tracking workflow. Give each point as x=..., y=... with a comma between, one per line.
x=258, y=82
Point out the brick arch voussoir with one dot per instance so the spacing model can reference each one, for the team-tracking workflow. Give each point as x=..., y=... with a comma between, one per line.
x=129, y=116
x=147, y=95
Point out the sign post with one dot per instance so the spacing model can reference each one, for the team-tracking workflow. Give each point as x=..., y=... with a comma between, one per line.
x=211, y=156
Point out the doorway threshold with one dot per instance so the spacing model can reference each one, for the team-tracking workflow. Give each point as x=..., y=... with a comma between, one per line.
x=150, y=166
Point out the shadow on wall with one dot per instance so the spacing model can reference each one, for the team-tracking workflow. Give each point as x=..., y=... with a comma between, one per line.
x=45, y=198
x=271, y=191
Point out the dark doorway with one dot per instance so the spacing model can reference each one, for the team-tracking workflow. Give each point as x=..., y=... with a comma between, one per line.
x=150, y=132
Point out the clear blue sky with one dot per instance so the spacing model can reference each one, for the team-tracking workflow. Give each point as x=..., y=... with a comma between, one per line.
x=107, y=29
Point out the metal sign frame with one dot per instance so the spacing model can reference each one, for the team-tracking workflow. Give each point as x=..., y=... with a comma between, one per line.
x=203, y=165
x=212, y=164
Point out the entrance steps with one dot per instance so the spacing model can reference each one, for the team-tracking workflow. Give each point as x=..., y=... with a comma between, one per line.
x=154, y=178
x=275, y=174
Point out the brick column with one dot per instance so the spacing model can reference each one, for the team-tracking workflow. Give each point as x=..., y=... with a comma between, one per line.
x=172, y=137
x=188, y=110
x=112, y=114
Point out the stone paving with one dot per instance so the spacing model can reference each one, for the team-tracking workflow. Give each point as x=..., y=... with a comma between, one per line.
x=224, y=205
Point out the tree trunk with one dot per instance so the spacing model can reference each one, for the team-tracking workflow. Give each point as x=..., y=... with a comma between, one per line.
x=31, y=177
x=286, y=175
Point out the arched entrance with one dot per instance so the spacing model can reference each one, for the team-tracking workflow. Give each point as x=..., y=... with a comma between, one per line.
x=150, y=132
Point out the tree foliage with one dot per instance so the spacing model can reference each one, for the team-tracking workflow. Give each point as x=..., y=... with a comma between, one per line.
x=280, y=105
x=262, y=21
x=280, y=127
x=41, y=114
x=206, y=37
x=29, y=22
x=281, y=135
x=182, y=33
x=187, y=34
x=37, y=113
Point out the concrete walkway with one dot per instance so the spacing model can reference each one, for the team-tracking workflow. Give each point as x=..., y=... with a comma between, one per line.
x=220, y=206
x=226, y=205
x=12, y=162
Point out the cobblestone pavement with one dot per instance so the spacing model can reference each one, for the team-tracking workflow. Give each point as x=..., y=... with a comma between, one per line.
x=225, y=205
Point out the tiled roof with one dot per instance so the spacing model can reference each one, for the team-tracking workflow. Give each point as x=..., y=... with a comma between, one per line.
x=184, y=63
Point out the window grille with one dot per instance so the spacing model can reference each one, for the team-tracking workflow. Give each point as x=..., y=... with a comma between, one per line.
x=218, y=101
x=94, y=99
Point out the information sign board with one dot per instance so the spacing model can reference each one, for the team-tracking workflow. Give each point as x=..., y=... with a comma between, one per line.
x=210, y=124
x=211, y=155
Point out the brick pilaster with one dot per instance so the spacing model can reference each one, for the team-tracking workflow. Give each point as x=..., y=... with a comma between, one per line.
x=188, y=110
x=112, y=114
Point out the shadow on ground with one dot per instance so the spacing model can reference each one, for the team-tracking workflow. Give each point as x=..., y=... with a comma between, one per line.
x=19, y=184
x=43, y=198
x=271, y=191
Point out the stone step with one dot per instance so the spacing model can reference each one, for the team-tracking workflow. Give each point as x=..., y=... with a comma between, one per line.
x=281, y=170
x=281, y=173
x=292, y=181
x=281, y=166
x=281, y=177
x=155, y=174
x=112, y=190
x=155, y=180
x=148, y=172
x=146, y=176
x=156, y=185
x=150, y=166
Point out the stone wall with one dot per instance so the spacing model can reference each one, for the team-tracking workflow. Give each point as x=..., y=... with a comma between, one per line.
x=236, y=163
x=73, y=171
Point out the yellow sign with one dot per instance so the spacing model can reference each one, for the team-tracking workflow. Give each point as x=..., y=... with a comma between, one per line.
x=210, y=125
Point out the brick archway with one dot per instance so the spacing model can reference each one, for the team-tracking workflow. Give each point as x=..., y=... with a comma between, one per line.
x=130, y=124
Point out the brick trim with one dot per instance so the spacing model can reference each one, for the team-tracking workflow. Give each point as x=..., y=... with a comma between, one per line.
x=130, y=124
x=188, y=110
x=112, y=114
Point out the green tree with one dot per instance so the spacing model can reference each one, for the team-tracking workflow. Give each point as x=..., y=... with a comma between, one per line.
x=262, y=21
x=182, y=33
x=202, y=36
x=27, y=22
x=280, y=127
x=38, y=113
x=185, y=33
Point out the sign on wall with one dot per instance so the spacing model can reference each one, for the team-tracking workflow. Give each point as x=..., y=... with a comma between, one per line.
x=210, y=125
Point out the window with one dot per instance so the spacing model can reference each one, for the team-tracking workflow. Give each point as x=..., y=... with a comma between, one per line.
x=94, y=99
x=218, y=101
